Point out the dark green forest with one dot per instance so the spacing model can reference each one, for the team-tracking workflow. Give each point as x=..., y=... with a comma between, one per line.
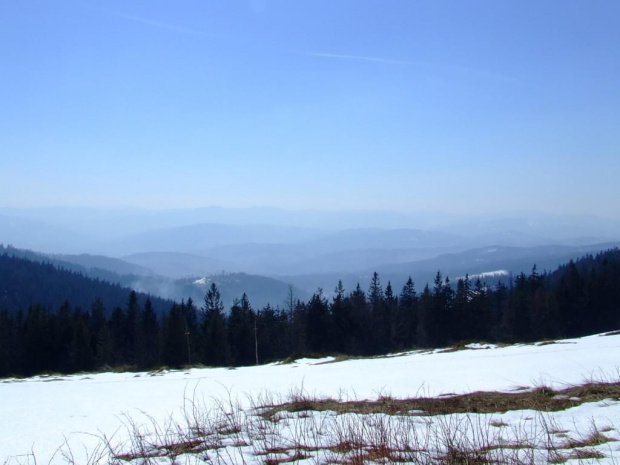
x=25, y=280
x=579, y=298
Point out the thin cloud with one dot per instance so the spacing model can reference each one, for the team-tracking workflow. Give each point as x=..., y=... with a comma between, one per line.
x=356, y=57
x=155, y=24
x=445, y=68
x=173, y=28
x=158, y=24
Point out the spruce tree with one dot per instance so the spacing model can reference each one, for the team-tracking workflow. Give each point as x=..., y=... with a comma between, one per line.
x=174, y=339
x=342, y=322
x=318, y=323
x=406, y=320
x=241, y=333
x=214, y=329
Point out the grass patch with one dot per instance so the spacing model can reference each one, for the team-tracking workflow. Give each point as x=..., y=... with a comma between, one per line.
x=304, y=428
x=542, y=399
x=595, y=438
x=586, y=454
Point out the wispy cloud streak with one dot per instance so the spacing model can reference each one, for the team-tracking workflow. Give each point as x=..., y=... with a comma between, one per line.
x=158, y=24
x=173, y=28
x=357, y=58
x=462, y=71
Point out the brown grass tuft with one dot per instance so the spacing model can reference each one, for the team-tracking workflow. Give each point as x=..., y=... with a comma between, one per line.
x=543, y=399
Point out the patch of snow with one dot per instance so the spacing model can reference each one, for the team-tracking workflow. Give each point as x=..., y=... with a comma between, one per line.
x=492, y=274
x=313, y=361
x=478, y=345
x=486, y=274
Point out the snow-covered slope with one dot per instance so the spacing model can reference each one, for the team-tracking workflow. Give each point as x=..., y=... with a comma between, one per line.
x=39, y=413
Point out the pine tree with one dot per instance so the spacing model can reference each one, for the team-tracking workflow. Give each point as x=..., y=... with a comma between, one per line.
x=174, y=339
x=318, y=323
x=10, y=344
x=38, y=350
x=241, y=333
x=571, y=298
x=406, y=320
x=214, y=329
x=516, y=321
x=61, y=333
x=80, y=352
x=463, y=322
x=380, y=323
x=193, y=338
x=342, y=322
x=147, y=339
x=388, y=320
x=362, y=317
x=481, y=312
x=273, y=328
x=426, y=322
x=118, y=341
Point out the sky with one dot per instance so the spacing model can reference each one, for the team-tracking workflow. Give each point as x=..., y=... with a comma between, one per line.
x=412, y=105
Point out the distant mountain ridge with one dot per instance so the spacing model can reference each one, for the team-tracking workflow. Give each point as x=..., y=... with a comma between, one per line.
x=261, y=290
x=24, y=283
x=478, y=261
x=309, y=249
x=115, y=232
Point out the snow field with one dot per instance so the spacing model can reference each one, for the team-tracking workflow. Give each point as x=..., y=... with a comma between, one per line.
x=40, y=414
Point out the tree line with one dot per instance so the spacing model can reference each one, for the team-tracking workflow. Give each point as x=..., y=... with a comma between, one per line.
x=579, y=298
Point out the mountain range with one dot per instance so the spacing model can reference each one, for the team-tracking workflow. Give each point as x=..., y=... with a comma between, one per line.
x=167, y=252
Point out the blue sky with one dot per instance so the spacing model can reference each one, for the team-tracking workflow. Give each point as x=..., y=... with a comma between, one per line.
x=456, y=106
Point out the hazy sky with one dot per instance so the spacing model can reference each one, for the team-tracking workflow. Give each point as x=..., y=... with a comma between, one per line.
x=400, y=104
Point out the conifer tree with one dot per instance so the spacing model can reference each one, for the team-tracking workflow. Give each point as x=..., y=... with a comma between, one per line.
x=362, y=317
x=571, y=298
x=214, y=329
x=319, y=331
x=462, y=317
x=406, y=320
x=80, y=351
x=147, y=340
x=174, y=340
x=241, y=322
x=272, y=333
x=425, y=330
x=132, y=318
x=380, y=324
x=342, y=322
x=193, y=339
x=10, y=344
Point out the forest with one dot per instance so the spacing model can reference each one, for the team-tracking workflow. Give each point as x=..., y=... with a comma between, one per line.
x=579, y=298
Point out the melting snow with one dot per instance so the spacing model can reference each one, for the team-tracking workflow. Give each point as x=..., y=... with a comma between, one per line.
x=40, y=412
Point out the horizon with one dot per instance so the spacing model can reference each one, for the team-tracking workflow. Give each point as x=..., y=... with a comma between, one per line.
x=427, y=215
x=476, y=108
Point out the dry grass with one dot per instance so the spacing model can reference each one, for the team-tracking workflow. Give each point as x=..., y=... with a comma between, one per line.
x=542, y=399
x=586, y=454
x=595, y=438
x=455, y=430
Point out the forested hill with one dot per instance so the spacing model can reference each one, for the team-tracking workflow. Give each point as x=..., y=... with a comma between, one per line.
x=116, y=271
x=69, y=331
x=24, y=283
